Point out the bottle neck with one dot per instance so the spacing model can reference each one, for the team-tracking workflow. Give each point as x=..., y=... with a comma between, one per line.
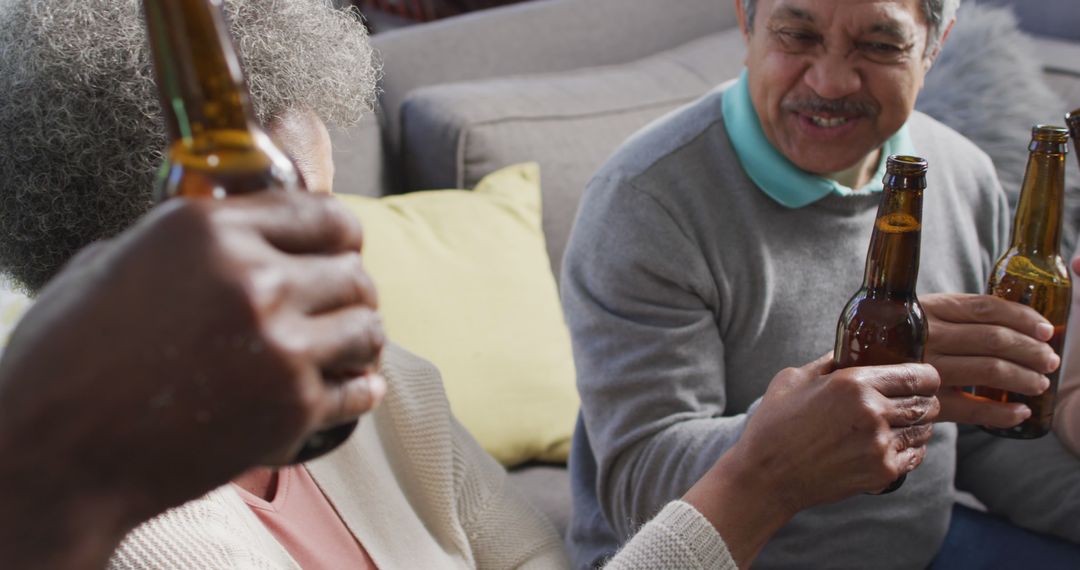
x=1037, y=227
x=198, y=71
x=892, y=264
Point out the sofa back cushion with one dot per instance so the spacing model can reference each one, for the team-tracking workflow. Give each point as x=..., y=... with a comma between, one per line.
x=541, y=36
x=569, y=122
x=359, y=160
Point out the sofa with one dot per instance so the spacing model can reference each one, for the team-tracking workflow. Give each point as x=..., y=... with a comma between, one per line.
x=564, y=82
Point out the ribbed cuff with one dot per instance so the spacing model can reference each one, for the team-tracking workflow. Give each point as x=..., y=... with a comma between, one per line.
x=683, y=520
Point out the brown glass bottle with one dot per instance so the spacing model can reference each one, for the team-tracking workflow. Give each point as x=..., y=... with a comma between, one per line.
x=1072, y=119
x=1032, y=272
x=883, y=323
x=216, y=146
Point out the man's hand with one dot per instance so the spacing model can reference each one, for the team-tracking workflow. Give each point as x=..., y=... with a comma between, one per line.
x=818, y=436
x=987, y=341
x=213, y=336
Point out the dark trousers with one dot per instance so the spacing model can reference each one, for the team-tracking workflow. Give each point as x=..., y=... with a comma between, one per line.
x=980, y=541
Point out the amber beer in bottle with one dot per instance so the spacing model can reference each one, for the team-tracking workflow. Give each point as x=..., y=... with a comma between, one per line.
x=216, y=146
x=883, y=323
x=1032, y=272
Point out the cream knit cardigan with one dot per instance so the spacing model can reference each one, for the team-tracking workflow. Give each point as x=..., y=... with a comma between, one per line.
x=418, y=492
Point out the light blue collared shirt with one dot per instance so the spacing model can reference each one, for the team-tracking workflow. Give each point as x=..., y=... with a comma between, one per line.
x=772, y=172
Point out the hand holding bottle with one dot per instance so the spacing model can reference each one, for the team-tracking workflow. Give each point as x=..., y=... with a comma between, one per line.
x=117, y=402
x=819, y=435
x=990, y=341
x=1031, y=272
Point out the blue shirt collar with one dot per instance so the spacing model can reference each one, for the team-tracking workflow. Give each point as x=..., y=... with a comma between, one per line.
x=772, y=172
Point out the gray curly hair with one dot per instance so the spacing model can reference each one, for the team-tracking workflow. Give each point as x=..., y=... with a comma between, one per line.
x=938, y=14
x=81, y=131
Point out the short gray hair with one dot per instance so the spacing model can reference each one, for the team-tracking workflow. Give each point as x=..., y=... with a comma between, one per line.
x=938, y=14
x=81, y=131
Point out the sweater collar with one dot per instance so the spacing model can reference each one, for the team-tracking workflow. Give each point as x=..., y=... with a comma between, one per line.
x=772, y=172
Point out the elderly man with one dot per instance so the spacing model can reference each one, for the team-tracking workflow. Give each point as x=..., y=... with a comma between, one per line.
x=411, y=489
x=719, y=245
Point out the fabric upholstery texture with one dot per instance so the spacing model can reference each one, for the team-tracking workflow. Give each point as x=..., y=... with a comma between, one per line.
x=536, y=37
x=568, y=122
x=464, y=281
x=1058, y=18
x=359, y=161
x=988, y=84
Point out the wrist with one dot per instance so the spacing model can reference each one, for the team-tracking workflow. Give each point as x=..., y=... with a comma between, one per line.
x=744, y=503
x=51, y=517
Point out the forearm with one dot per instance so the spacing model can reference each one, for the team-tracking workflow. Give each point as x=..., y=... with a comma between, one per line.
x=38, y=544
x=54, y=515
x=741, y=502
x=46, y=524
x=679, y=537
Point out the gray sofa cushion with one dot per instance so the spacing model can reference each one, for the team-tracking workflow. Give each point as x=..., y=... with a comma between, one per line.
x=1061, y=66
x=454, y=134
x=358, y=159
x=988, y=85
x=541, y=36
x=1057, y=18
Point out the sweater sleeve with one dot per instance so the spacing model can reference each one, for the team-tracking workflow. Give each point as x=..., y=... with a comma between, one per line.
x=678, y=537
x=1035, y=483
x=503, y=529
x=642, y=308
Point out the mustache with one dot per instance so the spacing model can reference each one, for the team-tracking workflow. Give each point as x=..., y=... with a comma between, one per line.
x=810, y=104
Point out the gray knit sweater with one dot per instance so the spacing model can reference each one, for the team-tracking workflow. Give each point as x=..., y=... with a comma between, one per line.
x=687, y=289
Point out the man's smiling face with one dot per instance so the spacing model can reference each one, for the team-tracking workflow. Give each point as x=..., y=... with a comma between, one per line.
x=831, y=80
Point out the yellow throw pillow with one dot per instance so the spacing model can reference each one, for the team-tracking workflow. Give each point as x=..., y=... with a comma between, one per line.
x=12, y=307
x=464, y=281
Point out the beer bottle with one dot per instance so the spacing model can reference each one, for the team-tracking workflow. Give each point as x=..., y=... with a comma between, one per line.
x=216, y=146
x=1032, y=272
x=883, y=323
x=1072, y=119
